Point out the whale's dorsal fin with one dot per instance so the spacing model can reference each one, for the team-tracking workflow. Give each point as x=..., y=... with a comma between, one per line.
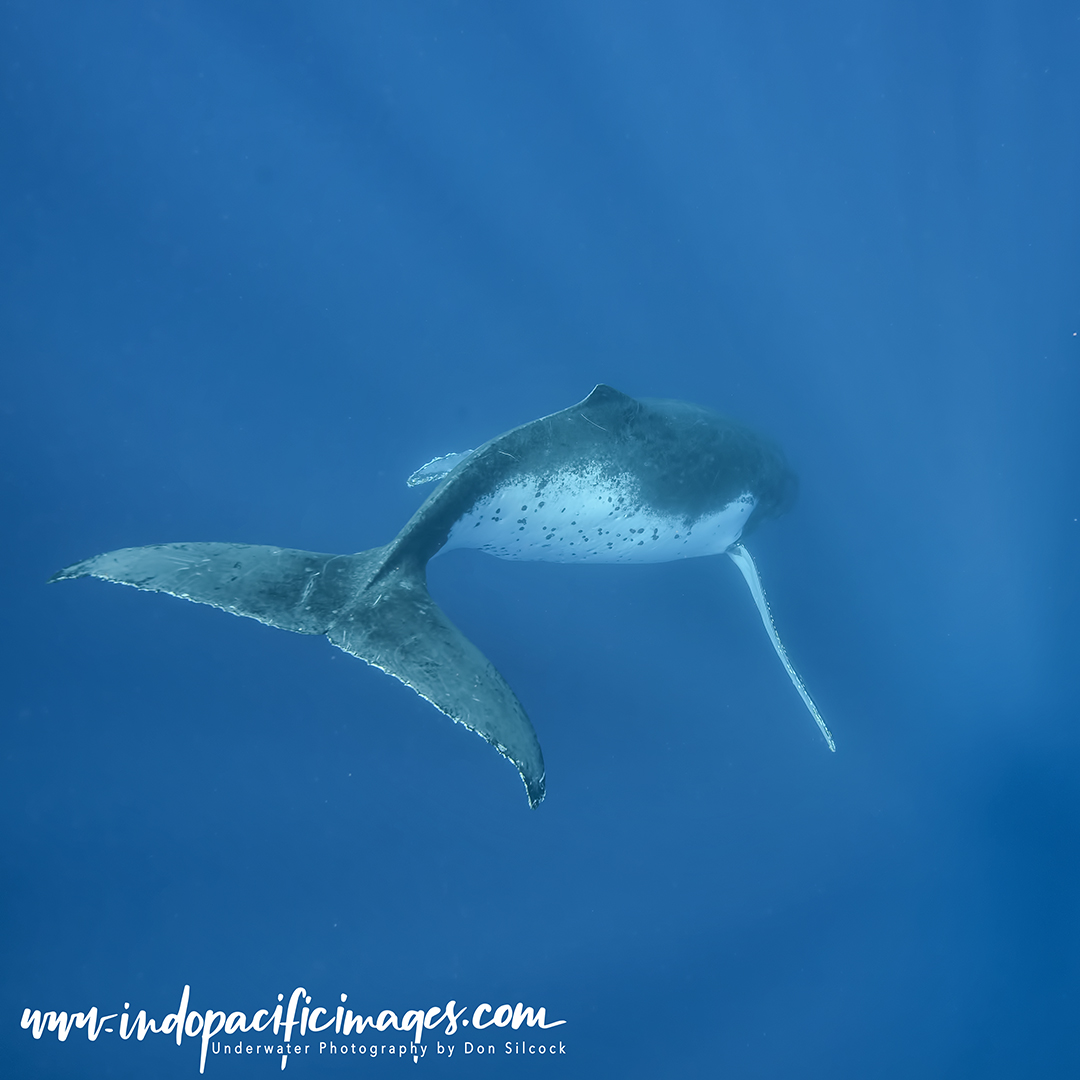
x=437, y=468
x=743, y=560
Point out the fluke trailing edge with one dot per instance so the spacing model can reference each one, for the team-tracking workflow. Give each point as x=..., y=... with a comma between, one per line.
x=608, y=480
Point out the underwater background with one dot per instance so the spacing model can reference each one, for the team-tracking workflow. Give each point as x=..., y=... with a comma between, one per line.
x=260, y=262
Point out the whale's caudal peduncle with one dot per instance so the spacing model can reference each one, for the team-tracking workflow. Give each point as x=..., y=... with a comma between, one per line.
x=610, y=479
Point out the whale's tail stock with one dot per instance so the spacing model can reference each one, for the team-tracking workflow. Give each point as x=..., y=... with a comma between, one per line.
x=375, y=610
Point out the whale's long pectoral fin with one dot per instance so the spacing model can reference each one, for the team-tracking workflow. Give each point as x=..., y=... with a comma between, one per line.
x=387, y=619
x=304, y=591
x=743, y=560
x=401, y=630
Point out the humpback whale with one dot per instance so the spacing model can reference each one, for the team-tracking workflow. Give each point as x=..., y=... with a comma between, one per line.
x=611, y=479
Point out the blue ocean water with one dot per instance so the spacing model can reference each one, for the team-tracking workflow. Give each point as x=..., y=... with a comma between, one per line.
x=260, y=262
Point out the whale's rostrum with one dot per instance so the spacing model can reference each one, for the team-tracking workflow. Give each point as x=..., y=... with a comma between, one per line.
x=611, y=479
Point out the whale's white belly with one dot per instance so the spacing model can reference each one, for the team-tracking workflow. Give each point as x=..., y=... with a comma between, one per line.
x=583, y=516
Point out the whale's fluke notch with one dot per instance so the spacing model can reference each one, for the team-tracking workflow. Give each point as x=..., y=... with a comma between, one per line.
x=378, y=612
x=745, y=562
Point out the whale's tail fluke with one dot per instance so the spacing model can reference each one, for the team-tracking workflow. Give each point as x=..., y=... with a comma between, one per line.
x=376, y=611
